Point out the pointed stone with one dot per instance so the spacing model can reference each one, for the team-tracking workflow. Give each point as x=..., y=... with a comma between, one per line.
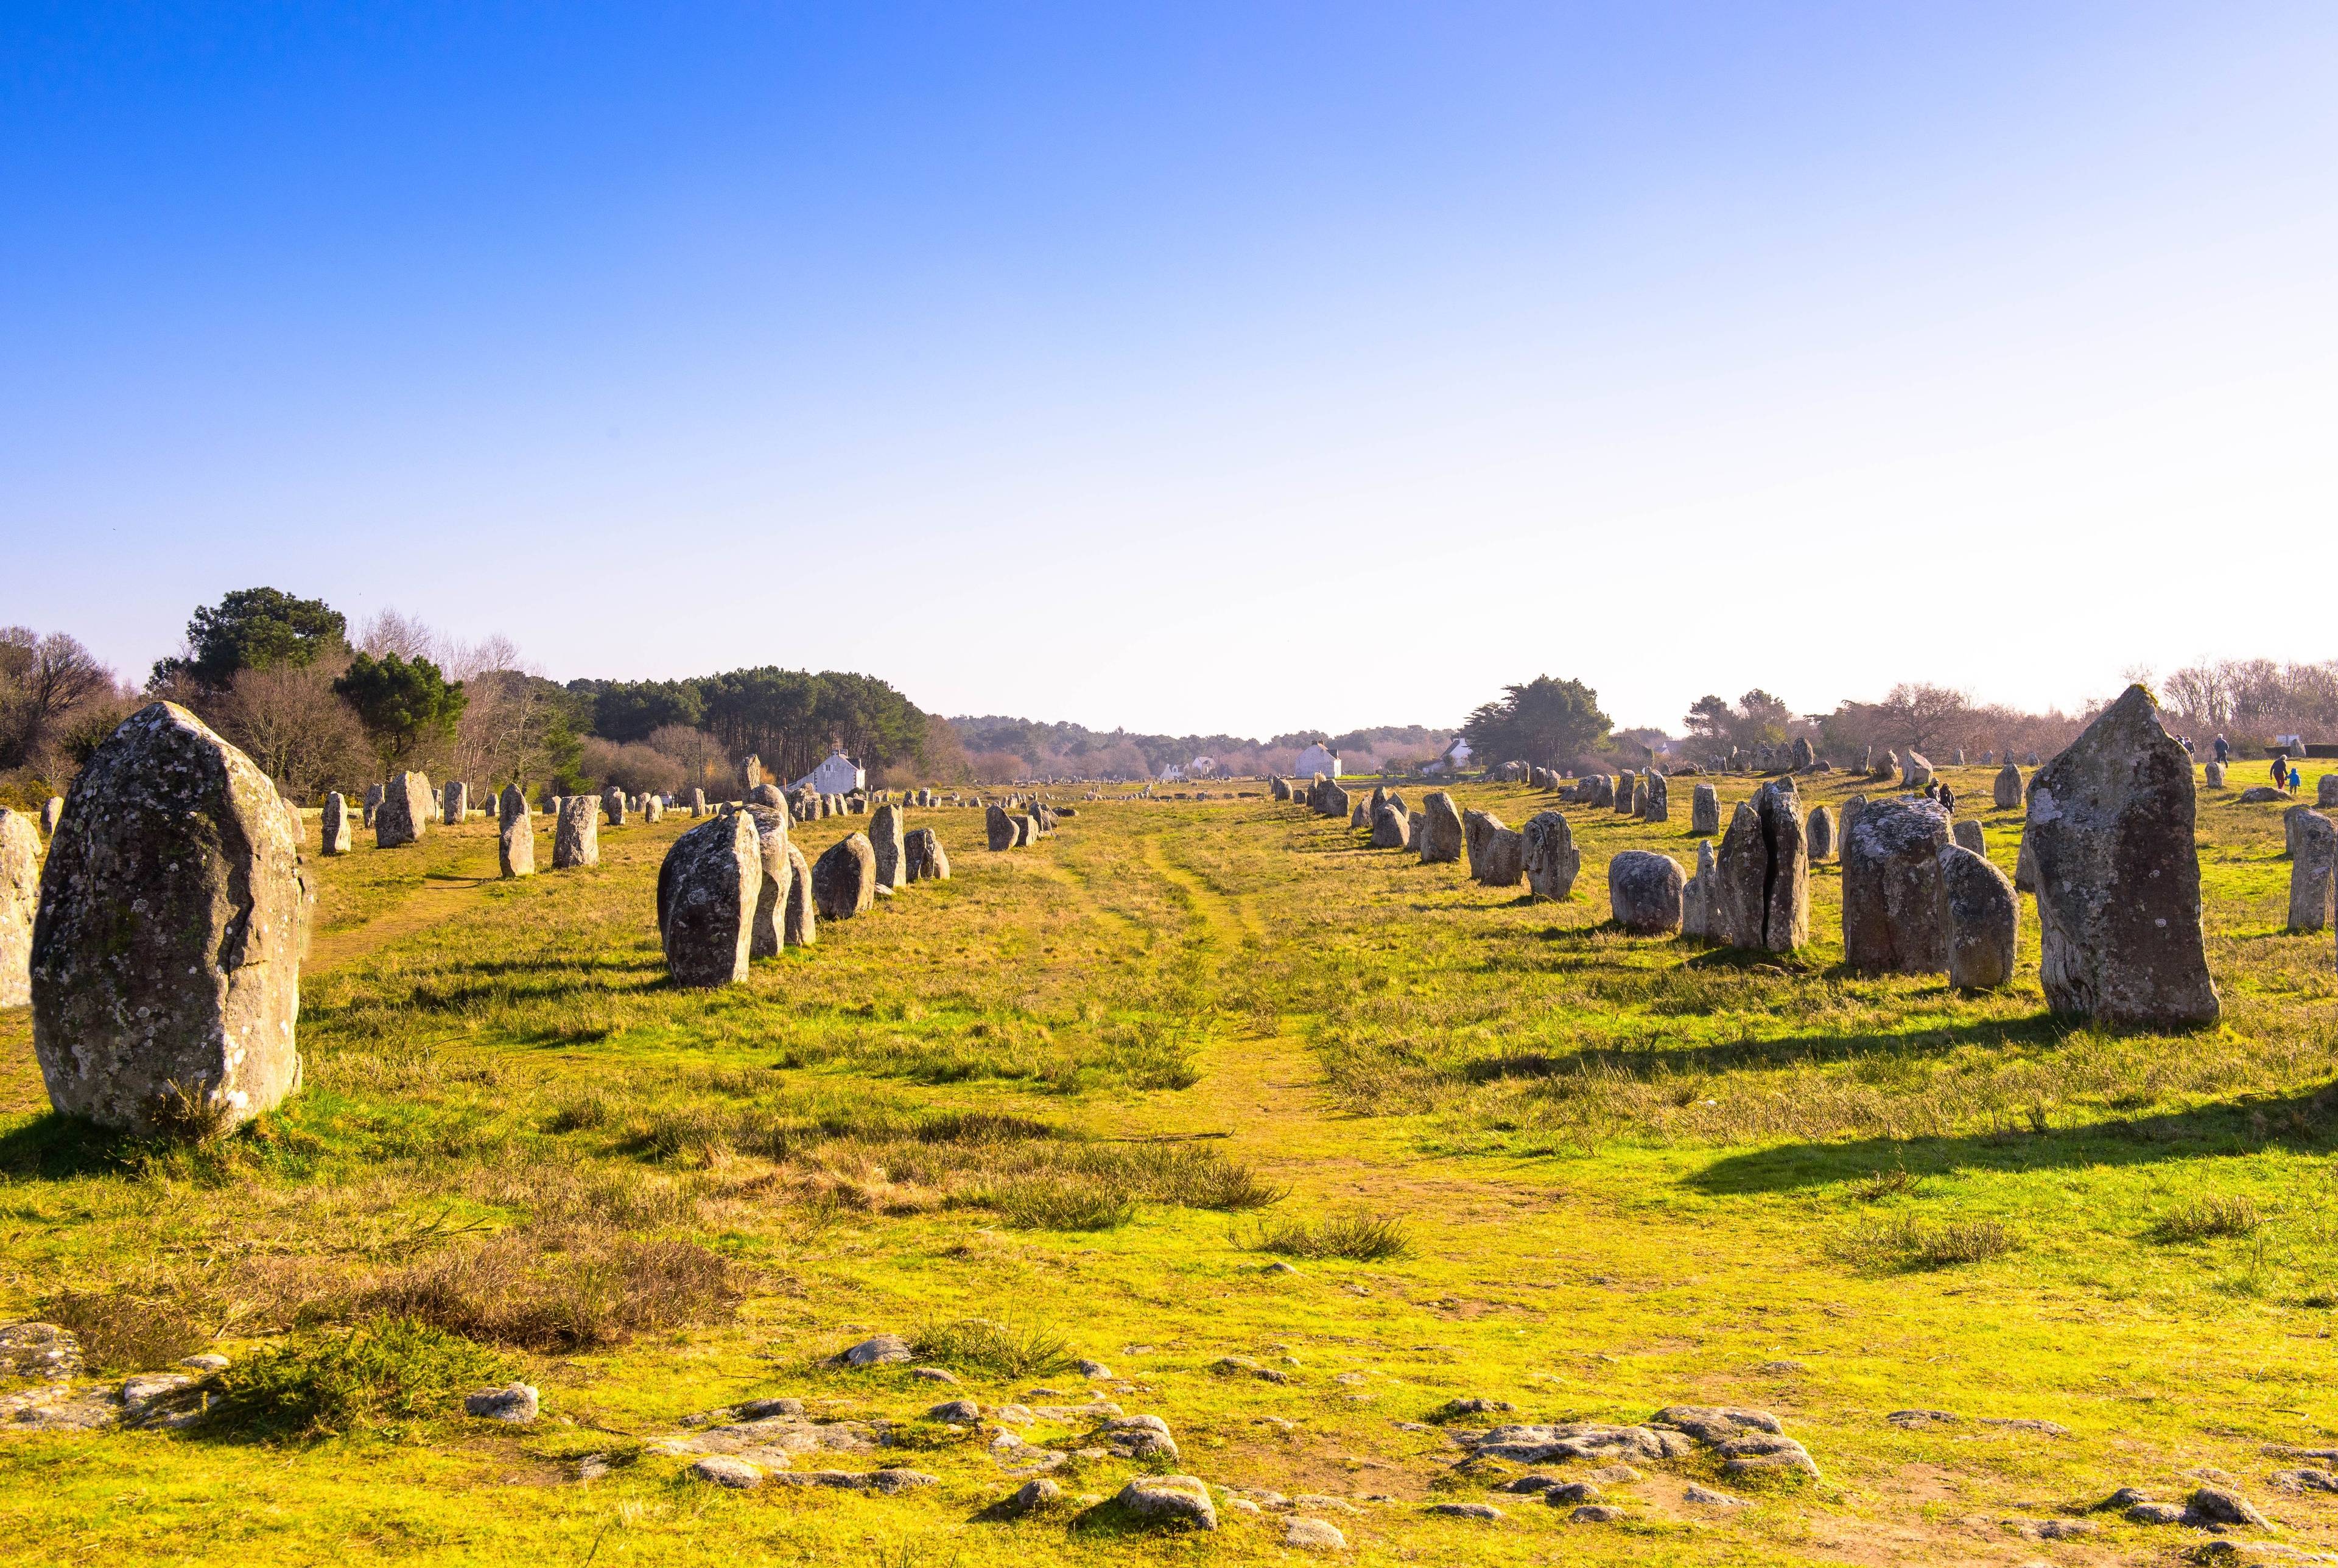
x=335, y=832
x=1979, y=919
x=1552, y=862
x=707, y=888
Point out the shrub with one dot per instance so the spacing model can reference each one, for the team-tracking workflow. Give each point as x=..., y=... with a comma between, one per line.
x=2206, y=1216
x=391, y=1368
x=511, y=1291
x=1907, y=1242
x=1000, y=1349
x=1360, y=1234
x=1046, y=1204
x=121, y=1331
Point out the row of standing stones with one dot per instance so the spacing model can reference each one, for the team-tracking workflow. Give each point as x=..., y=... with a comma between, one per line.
x=2107, y=850
x=159, y=942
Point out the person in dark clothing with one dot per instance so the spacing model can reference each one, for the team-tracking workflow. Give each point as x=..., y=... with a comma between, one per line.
x=2223, y=753
x=2281, y=770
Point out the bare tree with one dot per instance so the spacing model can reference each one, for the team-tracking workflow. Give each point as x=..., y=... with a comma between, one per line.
x=404, y=635
x=44, y=681
x=702, y=758
x=1922, y=716
x=287, y=719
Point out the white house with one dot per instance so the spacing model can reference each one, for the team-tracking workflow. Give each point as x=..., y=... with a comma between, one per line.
x=1202, y=767
x=1317, y=759
x=1455, y=759
x=840, y=775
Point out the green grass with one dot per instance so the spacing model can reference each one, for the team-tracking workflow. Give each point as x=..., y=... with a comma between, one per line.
x=1051, y=1109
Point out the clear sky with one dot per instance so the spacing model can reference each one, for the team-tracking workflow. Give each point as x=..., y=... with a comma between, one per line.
x=1189, y=366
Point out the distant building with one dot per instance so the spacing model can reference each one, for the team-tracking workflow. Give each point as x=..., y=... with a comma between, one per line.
x=1317, y=759
x=1171, y=774
x=1202, y=767
x=840, y=775
x=1455, y=759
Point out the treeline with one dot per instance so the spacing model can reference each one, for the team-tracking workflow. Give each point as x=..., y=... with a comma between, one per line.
x=320, y=707
x=1001, y=750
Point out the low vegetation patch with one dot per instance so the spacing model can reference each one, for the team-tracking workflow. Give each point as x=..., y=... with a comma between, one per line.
x=1910, y=1241
x=389, y=1370
x=996, y=1350
x=2207, y=1217
x=1360, y=1234
x=126, y=1332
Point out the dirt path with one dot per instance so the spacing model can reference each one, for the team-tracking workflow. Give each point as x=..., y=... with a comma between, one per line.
x=437, y=899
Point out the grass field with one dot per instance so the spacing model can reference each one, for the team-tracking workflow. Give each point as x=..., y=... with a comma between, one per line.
x=1089, y=1094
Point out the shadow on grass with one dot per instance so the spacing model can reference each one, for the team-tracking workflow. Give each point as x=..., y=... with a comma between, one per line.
x=52, y=1147
x=2302, y=1124
x=1786, y=1051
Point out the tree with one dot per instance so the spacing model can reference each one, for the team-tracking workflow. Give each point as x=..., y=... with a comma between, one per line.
x=405, y=704
x=1918, y=715
x=515, y=729
x=1709, y=720
x=44, y=681
x=1545, y=721
x=631, y=709
x=289, y=720
x=253, y=629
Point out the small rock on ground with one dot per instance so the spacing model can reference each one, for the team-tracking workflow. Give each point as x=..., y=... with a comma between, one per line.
x=725, y=1471
x=880, y=1350
x=1034, y=1495
x=1706, y=1497
x=1465, y=1510
x=933, y=1374
x=1314, y=1536
x=1596, y=1513
x=1094, y=1370
x=516, y=1403
x=1177, y=1500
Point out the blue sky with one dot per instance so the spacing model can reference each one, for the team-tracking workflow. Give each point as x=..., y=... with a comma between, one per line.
x=1191, y=367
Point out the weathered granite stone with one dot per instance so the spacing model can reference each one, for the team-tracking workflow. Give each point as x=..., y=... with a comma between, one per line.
x=2313, y=853
x=576, y=838
x=1278, y=788
x=927, y=860
x=707, y=888
x=1391, y=829
x=373, y=797
x=1495, y=852
x=1705, y=810
x=1550, y=860
x=1967, y=833
x=766, y=795
x=20, y=901
x=2263, y=795
x=1819, y=833
x=52, y=810
x=335, y=834
x=515, y=834
x=1804, y=756
x=1917, y=773
x=404, y=812
x=2025, y=868
x=1027, y=830
x=698, y=804
x=844, y=880
x=1891, y=888
x=1846, y=817
x=1762, y=890
x=165, y=953
x=1440, y=836
x=2325, y=791
x=1331, y=801
x=1958, y=758
x=1000, y=828
x=1697, y=896
x=653, y=808
x=885, y=836
x=2215, y=775
x=750, y=773
x=455, y=807
x=1979, y=919
x=1643, y=892
x=2118, y=874
x=1360, y=817
x=1655, y=804
x=1627, y=791
x=802, y=911
x=768, y=934
x=2005, y=793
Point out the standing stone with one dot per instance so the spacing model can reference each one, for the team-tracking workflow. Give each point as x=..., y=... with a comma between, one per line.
x=404, y=811
x=1391, y=829
x=515, y=834
x=1959, y=757
x=1891, y=888
x=1867, y=759
x=456, y=810
x=1889, y=766
x=166, y=951
x=1657, y=807
x=1551, y=860
x=750, y=773
x=335, y=834
x=374, y=795
x=2118, y=874
x=2030, y=760
x=1440, y=836
x=1805, y=757
x=1918, y=772
x=927, y=861
x=999, y=828
x=2006, y=793
x=2313, y=855
x=2025, y=868
x=1967, y=834
x=1705, y=810
x=698, y=803
x=612, y=806
x=1360, y=817
x=52, y=810
x=1415, y=824
x=1497, y=853
x=802, y=915
x=1979, y=919
x=707, y=889
x=1761, y=887
x=1330, y=800
x=1696, y=897
x=20, y=901
x=844, y=880
x=1627, y=790
x=1819, y=833
x=653, y=808
x=576, y=838
x=1643, y=892
x=766, y=795
x=1278, y=788
x=768, y=934
x=1028, y=829
x=2325, y=791
x=885, y=836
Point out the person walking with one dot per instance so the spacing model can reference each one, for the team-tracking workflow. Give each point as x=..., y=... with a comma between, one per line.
x=2223, y=753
